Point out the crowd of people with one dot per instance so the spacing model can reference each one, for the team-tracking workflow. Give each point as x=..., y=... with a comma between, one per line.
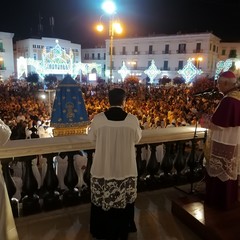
x=28, y=115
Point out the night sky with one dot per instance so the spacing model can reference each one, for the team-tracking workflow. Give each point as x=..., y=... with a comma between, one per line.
x=75, y=19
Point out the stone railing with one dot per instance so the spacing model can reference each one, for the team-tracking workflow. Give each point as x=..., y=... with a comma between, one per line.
x=181, y=162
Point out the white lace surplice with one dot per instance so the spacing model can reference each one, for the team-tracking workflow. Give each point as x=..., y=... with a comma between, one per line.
x=114, y=170
x=224, y=149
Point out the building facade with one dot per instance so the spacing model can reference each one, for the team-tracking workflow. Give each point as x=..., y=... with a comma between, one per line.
x=6, y=55
x=170, y=54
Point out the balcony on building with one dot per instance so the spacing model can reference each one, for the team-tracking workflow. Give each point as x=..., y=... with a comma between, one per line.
x=135, y=52
x=197, y=50
x=165, y=69
x=150, y=52
x=166, y=52
x=181, y=51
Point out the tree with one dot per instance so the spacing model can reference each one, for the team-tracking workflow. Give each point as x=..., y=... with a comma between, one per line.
x=50, y=80
x=164, y=80
x=203, y=84
x=32, y=78
x=178, y=80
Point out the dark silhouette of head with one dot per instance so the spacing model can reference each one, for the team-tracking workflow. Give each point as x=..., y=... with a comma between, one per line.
x=116, y=97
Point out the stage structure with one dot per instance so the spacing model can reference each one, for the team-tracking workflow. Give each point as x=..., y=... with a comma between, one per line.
x=56, y=61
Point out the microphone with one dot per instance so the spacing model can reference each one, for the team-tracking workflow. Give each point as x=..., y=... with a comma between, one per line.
x=206, y=92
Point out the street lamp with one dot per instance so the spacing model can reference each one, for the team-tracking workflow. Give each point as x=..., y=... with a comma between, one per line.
x=109, y=7
x=49, y=100
x=197, y=61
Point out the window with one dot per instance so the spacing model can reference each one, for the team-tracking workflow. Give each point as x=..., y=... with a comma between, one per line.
x=198, y=46
x=136, y=50
x=104, y=56
x=150, y=49
x=214, y=48
x=1, y=47
x=93, y=55
x=224, y=52
x=182, y=48
x=232, y=53
x=165, y=65
x=124, y=50
x=113, y=51
x=167, y=48
x=98, y=56
x=35, y=56
x=180, y=64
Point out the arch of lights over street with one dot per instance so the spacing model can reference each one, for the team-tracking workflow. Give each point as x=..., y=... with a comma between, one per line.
x=56, y=61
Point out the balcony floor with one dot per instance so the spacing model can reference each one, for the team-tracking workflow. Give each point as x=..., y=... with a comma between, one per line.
x=153, y=218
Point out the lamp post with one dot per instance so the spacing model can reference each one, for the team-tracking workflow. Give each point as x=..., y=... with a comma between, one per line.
x=109, y=7
x=197, y=61
x=49, y=100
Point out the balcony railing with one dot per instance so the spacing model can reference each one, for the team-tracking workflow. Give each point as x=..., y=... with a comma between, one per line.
x=166, y=52
x=198, y=51
x=165, y=69
x=150, y=52
x=135, y=52
x=181, y=159
x=181, y=51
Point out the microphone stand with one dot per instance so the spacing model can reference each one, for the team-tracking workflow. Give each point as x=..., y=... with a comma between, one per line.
x=192, y=156
x=191, y=161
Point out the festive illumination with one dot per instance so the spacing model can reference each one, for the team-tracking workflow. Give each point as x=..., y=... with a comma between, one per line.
x=124, y=71
x=56, y=61
x=152, y=71
x=223, y=66
x=189, y=71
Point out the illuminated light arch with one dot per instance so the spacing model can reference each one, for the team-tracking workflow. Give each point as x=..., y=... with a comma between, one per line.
x=189, y=71
x=124, y=71
x=152, y=71
x=223, y=66
x=56, y=61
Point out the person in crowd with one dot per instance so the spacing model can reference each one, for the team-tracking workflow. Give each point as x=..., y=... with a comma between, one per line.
x=222, y=147
x=45, y=131
x=114, y=170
